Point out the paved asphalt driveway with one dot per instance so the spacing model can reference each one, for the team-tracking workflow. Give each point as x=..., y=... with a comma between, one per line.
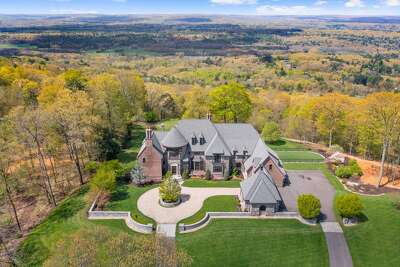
x=309, y=182
x=314, y=182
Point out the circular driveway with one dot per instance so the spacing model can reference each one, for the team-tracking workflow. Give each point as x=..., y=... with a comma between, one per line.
x=192, y=201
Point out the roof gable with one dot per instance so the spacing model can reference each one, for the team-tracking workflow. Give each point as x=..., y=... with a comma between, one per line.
x=260, y=188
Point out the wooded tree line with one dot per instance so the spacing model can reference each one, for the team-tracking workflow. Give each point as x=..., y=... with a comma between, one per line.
x=53, y=123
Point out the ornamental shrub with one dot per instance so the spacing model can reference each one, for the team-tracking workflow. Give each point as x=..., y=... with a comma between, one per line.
x=355, y=168
x=344, y=171
x=309, y=206
x=349, y=205
x=170, y=190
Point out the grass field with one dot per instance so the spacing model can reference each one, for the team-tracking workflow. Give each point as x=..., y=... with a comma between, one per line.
x=215, y=203
x=284, y=145
x=211, y=183
x=69, y=217
x=299, y=156
x=250, y=242
x=125, y=199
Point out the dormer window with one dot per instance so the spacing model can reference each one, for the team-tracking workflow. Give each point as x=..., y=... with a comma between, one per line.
x=202, y=139
x=194, y=139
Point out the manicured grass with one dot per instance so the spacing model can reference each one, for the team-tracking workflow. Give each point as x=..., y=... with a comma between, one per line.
x=125, y=199
x=68, y=217
x=252, y=242
x=215, y=203
x=211, y=183
x=299, y=156
x=376, y=241
x=284, y=145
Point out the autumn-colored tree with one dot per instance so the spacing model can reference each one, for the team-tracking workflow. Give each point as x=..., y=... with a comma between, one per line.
x=196, y=104
x=383, y=111
x=332, y=111
x=8, y=156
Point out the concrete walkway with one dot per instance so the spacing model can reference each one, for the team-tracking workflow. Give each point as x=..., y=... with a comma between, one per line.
x=192, y=201
x=339, y=254
x=167, y=229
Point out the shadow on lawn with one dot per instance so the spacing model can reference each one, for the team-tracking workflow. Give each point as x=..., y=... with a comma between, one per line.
x=121, y=193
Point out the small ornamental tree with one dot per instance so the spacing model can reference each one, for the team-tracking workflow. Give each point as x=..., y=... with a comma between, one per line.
x=349, y=205
x=309, y=206
x=271, y=132
x=104, y=181
x=170, y=190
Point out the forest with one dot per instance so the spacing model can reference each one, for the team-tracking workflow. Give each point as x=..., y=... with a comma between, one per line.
x=69, y=96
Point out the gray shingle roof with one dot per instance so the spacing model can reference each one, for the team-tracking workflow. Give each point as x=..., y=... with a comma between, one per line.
x=217, y=146
x=260, y=188
x=226, y=138
x=174, y=139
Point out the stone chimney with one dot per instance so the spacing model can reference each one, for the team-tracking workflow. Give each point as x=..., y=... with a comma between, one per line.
x=209, y=116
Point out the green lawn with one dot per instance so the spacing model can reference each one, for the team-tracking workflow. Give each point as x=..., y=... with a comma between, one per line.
x=211, y=183
x=283, y=145
x=125, y=199
x=215, y=203
x=299, y=156
x=69, y=217
x=376, y=241
x=251, y=242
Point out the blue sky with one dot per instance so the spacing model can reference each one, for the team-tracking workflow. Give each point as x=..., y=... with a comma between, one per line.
x=245, y=7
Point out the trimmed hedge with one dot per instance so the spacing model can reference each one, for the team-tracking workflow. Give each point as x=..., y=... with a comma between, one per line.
x=309, y=206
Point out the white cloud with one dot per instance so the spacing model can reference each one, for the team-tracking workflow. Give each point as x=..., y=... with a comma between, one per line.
x=234, y=2
x=354, y=3
x=320, y=3
x=393, y=2
x=287, y=10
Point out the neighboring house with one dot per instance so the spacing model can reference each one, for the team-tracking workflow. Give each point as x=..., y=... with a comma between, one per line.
x=200, y=145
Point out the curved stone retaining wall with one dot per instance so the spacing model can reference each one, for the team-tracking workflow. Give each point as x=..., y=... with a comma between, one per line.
x=188, y=228
x=119, y=215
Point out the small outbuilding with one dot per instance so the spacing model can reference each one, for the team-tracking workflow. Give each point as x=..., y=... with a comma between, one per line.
x=259, y=194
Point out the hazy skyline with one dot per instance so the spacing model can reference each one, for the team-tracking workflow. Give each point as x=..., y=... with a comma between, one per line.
x=227, y=7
